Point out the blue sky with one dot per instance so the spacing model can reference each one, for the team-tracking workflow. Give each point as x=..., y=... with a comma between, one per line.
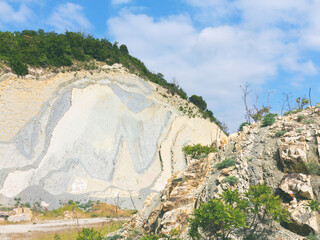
x=210, y=47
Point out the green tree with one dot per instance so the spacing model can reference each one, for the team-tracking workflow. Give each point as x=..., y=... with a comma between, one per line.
x=198, y=101
x=243, y=213
x=89, y=234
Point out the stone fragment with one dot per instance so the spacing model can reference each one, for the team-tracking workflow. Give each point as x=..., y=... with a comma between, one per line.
x=293, y=156
x=297, y=185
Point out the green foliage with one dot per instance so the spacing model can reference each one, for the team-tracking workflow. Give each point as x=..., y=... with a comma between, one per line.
x=312, y=236
x=18, y=67
x=198, y=151
x=216, y=219
x=269, y=119
x=242, y=125
x=232, y=180
x=50, y=49
x=280, y=133
x=114, y=237
x=300, y=117
x=173, y=235
x=123, y=48
x=198, y=101
x=57, y=237
x=301, y=102
x=219, y=218
x=313, y=168
x=314, y=205
x=228, y=162
x=260, y=113
x=89, y=234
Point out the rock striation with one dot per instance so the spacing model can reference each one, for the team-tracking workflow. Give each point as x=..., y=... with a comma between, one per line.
x=102, y=134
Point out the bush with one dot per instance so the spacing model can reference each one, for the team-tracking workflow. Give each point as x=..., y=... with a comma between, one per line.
x=198, y=101
x=280, y=133
x=219, y=218
x=269, y=119
x=232, y=180
x=18, y=67
x=313, y=168
x=198, y=151
x=228, y=162
x=300, y=117
x=312, y=236
x=89, y=234
x=242, y=125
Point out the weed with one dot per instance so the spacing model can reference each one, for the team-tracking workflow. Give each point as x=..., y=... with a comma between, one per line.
x=228, y=162
x=232, y=180
x=300, y=117
x=269, y=119
x=280, y=133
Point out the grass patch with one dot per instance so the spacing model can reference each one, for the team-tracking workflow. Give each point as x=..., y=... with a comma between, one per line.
x=280, y=133
x=269, y=119
x=72, y=233
x=228, y=162
x=232, y=180
x=198, y=151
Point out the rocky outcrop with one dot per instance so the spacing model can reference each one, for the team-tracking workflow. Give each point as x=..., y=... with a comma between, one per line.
x=286, y=162
x=99, y=135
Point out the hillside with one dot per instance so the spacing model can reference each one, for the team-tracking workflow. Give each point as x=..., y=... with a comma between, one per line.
x=98, y=134
x=283, y=155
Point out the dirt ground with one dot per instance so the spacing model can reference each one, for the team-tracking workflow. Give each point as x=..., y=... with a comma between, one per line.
x=31, y=230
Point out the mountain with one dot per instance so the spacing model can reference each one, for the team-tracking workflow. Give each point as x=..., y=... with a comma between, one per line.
x=102, y=133
x=283, y=155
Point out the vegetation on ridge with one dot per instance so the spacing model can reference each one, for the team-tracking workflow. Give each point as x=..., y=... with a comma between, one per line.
x=50, y=49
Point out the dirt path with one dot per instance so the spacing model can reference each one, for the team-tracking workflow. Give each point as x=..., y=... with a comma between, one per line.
x=49, y=226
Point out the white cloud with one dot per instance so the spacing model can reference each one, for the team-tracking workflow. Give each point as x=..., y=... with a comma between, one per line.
x=215, y=60
x=118, y=2
x=70, y=17
x=9, y=15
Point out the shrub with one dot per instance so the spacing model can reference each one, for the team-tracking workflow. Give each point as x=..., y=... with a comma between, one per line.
x=312, y=236
x=18, y=67
x=228, y=162
x=89, y=234
x=219, y=218
x=313, y=168
x=198, y=101
x=198, y=151
x=280, y=133
x=242, y=125
x=269, y=119
x=300, y=117
x=232, y=180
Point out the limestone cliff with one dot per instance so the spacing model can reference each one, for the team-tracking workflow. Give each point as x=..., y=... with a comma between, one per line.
x=284, y=156
x=98, y=134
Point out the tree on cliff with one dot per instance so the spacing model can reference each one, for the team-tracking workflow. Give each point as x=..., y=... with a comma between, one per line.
x=198, y=101
x=233, y=212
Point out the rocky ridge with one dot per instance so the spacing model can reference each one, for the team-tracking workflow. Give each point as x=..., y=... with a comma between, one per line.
x=284, y=156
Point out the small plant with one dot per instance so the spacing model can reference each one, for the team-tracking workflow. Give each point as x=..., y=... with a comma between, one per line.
x=299, y=130
x=57, y=237
x=228, y=162
x=198, y=151
x=280, y=133
x=312, y=236
x=308, y=121
x=269, y=119
x=114, y=237
x=89, y=234
x=181, y=108
x=232, y=180
x=300, y=117
x=313, y=168
x=27, y=205
x=242, y=125
x=314, y=205
x=301, y=102
x=17, y=201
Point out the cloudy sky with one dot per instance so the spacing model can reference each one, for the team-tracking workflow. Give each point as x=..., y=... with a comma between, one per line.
x=210, y=47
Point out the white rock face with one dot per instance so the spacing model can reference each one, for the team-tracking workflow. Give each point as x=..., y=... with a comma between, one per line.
x=91, y=136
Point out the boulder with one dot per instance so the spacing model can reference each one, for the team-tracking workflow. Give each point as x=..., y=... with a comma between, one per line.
x=293, y=156
x=297, y=186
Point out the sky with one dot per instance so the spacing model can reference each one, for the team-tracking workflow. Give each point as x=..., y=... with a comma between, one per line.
x=209, y=47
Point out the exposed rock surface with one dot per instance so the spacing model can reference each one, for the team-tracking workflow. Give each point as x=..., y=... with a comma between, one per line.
x=81, y=135
x=287, y=163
